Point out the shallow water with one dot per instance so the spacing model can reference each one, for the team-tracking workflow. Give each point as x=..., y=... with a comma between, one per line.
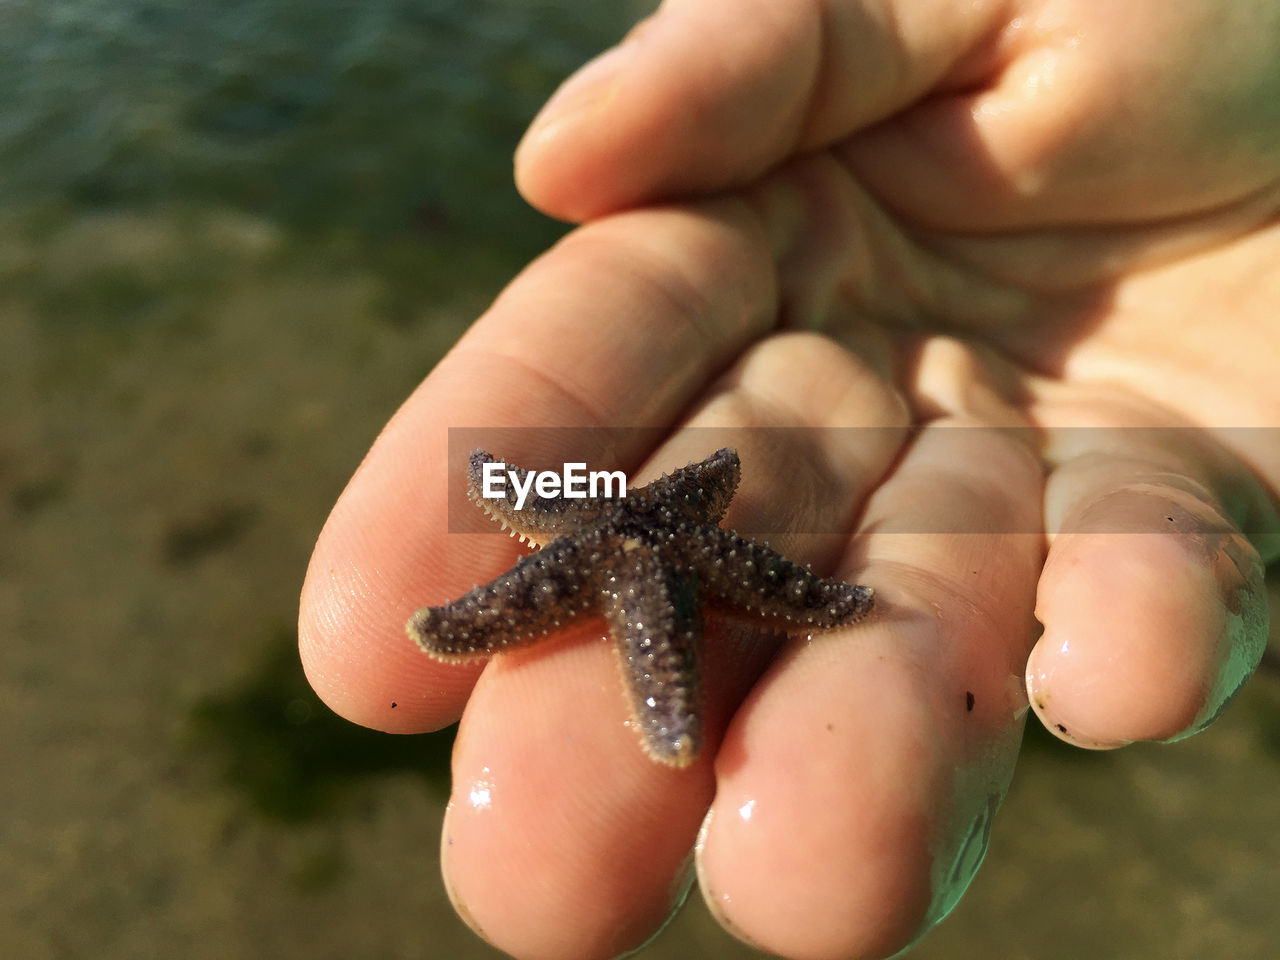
x=233, y=236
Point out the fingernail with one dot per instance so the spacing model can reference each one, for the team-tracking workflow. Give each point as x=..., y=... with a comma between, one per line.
x=460, y=908
x=718, y=902
x=679, y=889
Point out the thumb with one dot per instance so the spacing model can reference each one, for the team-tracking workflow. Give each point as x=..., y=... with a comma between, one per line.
x=707, y=95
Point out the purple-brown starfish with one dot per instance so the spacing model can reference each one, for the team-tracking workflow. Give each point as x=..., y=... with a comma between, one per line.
x=646, y=562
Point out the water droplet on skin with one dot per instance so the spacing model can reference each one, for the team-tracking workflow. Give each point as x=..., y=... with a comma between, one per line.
x=480, y=796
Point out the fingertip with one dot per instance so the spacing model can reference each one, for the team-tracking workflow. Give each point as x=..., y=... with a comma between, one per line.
x=1147, y=636
x=580, y=104
x=790, y=869
x=376, y=560
x=656, y=118
x=849, y=817
x=563, y=839
x=361, y=663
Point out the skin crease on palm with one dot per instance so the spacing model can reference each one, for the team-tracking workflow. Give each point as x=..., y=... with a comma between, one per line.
x=883, y=214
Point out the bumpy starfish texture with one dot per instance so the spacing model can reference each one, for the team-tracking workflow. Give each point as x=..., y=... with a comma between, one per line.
x=646, y=562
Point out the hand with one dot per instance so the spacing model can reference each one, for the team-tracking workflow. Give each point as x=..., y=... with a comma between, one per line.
x=1058, y=218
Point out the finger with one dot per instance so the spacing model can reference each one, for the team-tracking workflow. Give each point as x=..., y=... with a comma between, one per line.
x=1152, y=600
x=622, y=323
x=857, y=783
x=1070, y=119
x=708, y=94
x=566, y=793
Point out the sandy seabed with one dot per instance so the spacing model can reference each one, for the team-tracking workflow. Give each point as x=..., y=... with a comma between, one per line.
x=168, y=451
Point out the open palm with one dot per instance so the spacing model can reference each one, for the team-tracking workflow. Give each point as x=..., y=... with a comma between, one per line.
x=1001, y=280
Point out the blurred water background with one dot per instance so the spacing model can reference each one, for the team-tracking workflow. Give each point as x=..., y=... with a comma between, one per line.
x=233, y=236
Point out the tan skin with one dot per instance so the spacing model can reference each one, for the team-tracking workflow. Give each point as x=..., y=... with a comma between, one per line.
x=1040, y=215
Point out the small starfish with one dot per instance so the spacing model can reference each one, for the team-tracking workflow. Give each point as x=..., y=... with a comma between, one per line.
x=645, y=562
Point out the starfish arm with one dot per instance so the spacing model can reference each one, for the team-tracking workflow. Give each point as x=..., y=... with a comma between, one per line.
x=541, y=592
x=538, y=519
x=656, y=623
x=701, y=491
x=750, y=576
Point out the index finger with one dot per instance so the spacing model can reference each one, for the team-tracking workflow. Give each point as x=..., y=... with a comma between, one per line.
x=707, y=95
x=621, y=324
